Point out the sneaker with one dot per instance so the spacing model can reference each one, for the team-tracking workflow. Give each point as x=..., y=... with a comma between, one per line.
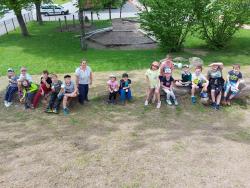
x=176, y=102
x=169, y=102
x=217, y=107
x=193, y=99
x=213, y=105
x=8, y=104
x=5, y=103
x=146, y=103
x=66, y=111
x=48, y=110
x=55, y=111
x=158, y=105
x=229, y=102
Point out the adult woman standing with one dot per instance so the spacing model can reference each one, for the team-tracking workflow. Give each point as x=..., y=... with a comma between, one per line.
x=84, y=78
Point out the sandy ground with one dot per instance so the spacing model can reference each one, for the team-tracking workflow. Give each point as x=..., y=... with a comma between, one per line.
x=100, y=145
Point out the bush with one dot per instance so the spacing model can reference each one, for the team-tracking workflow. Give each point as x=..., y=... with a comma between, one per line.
x=219, y=20
x=168, y=20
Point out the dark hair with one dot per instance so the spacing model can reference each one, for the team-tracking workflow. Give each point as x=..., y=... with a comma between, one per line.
x=45, y=72
x=125, y=75
x=198, y=67
x=84, y=60
x=67, y=76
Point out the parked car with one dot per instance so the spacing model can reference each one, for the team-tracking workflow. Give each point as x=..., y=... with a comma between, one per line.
x=53, y=9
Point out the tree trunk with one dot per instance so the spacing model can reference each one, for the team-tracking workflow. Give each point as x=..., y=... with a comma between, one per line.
x=110, y=12
x=82, y=26
x=38, y=12
x=121, y=11
x=21, y=22
x=92, y=19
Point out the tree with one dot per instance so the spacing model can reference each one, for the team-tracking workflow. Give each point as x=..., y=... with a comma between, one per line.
x=168, y=20
x=16, y=6
x=110, y=4
x=219, y=20
x=122, y=3
x=38, y=11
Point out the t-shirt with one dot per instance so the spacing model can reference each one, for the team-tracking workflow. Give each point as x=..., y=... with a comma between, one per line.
x=167, y=82
x=125, y=84
x=13, y=81
x=48, y=80
x=56, y=86
x=113, y=85
x=198, y=79
x=214, y=74
x=233, y=77
x=84, y=75
x=153, y=77
x=70, y=88
x=26, y=77
x=186, y=77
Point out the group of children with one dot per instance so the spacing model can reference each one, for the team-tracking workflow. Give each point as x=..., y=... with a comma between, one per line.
x=159, y=77
x=50, y=86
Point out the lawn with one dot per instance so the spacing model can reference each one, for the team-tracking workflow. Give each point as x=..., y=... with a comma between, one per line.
x=60, y=52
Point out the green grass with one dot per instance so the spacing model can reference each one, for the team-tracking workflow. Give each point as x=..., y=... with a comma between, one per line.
x=60, y=2
x=60, y=52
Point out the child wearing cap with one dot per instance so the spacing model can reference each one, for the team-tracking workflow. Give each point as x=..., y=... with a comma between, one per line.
x=68, y=91
x=23, y=76
x=234, y=78
x=199, y=81
x=216, y=83
x=113, y=89
x=29, y=90
x=12, y=87
x=153, y=82
x=124, y=89
x=186, y=77
x=167, y=82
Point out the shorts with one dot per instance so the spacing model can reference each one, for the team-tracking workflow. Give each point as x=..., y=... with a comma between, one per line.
x=231, y=86
x=217, y=88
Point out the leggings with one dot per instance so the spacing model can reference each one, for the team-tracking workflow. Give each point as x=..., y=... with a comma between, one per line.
x=39, y=94
x=169, y=93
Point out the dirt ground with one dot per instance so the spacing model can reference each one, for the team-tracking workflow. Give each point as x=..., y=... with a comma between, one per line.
x=100, y=145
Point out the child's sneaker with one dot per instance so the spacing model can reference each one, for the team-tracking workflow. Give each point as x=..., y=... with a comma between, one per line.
x=66, y=111
x=48, y=110
x=158, y=105
x=217, y=107
x=193, y=99
x=214, y=105
x=176, y=102
x=55, y=111
x=169, y=102
x=146, y=103
x=5, y=103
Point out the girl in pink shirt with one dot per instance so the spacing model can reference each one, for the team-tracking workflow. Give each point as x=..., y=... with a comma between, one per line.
x=113, y=88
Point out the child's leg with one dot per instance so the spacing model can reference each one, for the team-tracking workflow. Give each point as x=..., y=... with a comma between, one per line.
x=213, y=95
x=149, y=94
x=167, y=91
x=158, y=95
x=129, y=95
x=65, y=100
x=193, y=90
x=37, y=98
x=57, y=103
x=218, y=98
x=52, y=100
x=115, y=94
x=122, y=95
x=12, y=91
x=172, y=94
x=110, y=96
x=7, y=94
x=228, y=87
x=19, y=85
x=28, y=100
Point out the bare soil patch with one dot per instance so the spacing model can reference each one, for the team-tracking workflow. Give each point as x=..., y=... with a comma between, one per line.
x=100, y=145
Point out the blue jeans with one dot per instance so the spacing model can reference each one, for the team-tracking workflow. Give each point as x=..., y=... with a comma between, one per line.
x=54, y=101
x=125, y=95
x=83, y=93
x=9, y=93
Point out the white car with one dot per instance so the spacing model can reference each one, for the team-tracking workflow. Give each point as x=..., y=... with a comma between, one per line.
x=53, y=9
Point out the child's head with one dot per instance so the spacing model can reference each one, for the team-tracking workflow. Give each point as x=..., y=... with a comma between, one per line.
x=125, y=76
x=10, y=72
x=185, y=68
x=198, y=70
x=214, y=66
x=236, y=68
x=167, y=72
x=67, y=79
x=155, y=65
x=25, y=83
x=23, y=70
x=112, y=78
x=45, y=74
x=54, y=78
